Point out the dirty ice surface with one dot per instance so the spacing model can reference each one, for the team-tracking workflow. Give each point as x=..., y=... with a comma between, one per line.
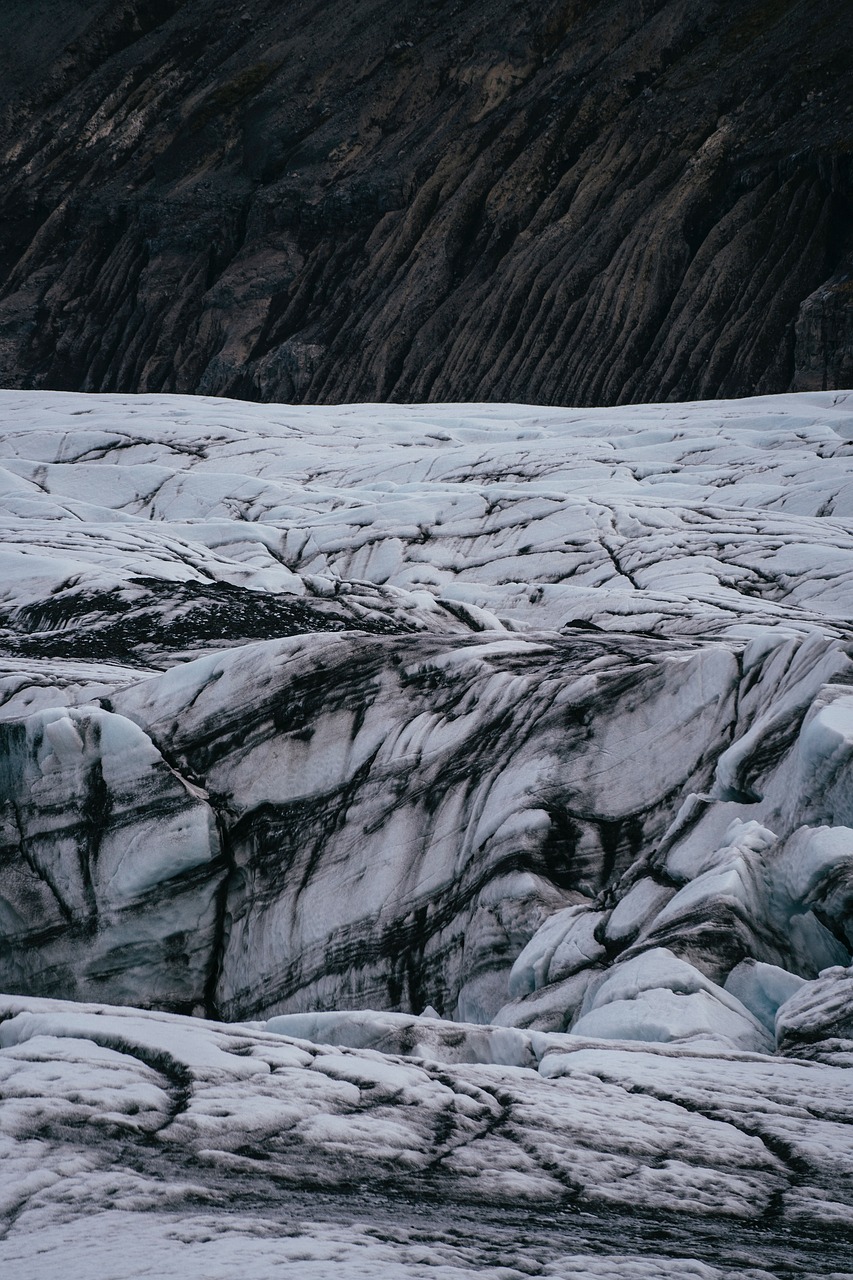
x=481, y=778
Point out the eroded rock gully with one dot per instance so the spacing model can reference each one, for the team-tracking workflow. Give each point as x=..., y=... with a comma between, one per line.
x=552, y=203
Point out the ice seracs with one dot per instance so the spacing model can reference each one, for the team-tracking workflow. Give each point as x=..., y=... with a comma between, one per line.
x=425, y=793
x=537, y=720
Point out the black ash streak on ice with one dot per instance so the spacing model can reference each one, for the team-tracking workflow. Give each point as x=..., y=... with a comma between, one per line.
x=539, y=717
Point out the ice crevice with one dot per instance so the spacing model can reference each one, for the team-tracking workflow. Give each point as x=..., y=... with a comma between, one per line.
x=791, y=1166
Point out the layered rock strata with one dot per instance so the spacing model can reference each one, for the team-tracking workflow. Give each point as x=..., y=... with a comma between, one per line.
x=552, y=203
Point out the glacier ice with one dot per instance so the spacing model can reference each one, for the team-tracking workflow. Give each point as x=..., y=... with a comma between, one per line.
x=424, y=683
x=159, y=1129
x=536, y=722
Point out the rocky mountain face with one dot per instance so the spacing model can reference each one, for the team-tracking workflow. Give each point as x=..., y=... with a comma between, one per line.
x=562, y=202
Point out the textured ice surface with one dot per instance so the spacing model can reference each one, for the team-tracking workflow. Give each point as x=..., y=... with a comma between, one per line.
x=539, y=720
x=693, y=517
x=451, y=705
x=193, y=1143
x=455, y=672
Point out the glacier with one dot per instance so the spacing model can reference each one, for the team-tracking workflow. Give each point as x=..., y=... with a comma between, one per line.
x=415, y=806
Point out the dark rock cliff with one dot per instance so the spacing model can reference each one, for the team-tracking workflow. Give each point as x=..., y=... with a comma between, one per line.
x=488, y=199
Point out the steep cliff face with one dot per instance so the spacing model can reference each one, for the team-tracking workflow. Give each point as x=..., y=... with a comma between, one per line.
x=555, y=203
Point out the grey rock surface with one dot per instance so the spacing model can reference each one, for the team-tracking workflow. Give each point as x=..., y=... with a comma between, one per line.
x=551, y=203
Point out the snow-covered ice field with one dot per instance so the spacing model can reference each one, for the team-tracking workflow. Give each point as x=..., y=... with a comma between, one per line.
x=535, y=722
x=693, y=517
